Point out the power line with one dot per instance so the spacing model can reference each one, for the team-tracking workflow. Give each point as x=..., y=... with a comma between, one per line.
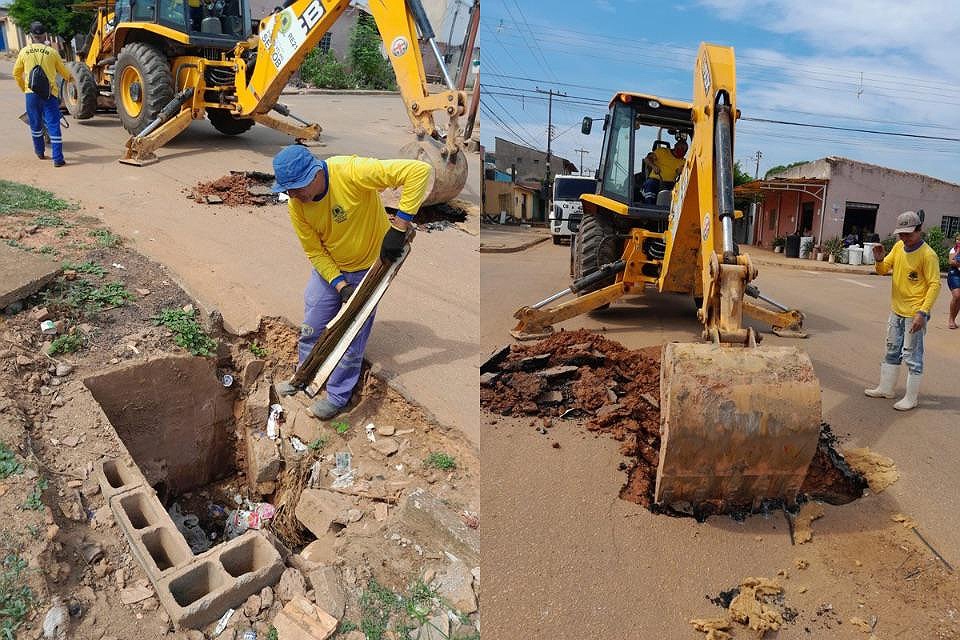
x=871, y=131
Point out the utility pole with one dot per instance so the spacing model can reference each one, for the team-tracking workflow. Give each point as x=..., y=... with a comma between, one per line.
x=756, y=170
x=581, y=152
x=550, y=93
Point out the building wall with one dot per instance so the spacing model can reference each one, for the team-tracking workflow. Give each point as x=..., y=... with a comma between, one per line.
x=892, y=190
x=531, y=164
x=13, y=37
x=491, y=196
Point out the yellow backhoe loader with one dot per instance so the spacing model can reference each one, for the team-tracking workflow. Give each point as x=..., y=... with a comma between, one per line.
x=164, y=63
x=740, y=422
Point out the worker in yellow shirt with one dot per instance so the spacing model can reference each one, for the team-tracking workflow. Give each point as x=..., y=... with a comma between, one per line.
x=337, y=214
x=665, y=166
x=915, y=286
x=43, y=105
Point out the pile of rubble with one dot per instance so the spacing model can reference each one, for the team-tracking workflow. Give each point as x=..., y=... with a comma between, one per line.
x=236, y=189
x=580, y=375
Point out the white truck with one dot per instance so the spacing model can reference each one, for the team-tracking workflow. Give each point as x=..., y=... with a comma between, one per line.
x=566, y=209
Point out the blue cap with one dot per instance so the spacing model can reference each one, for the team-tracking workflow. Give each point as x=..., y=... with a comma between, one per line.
x=295, y=167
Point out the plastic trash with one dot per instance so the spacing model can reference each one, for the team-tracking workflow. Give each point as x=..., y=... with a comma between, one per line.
x=189, y=525
x=370, y=430
x=273, y=422
x=316, y=472
x=253, y=516
x=343, y=459
x=222, y=623
x=297, y=444
x=344, y=481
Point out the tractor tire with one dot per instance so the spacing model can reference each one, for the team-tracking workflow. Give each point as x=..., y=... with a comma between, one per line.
x=142, y=85
x=226, y=124
x=80, y=95
x=597, y=244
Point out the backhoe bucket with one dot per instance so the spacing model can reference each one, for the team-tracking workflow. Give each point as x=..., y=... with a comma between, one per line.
x=448, y=176
x=738, y=425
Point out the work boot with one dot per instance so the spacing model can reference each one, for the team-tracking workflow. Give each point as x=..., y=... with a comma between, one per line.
x=285, y=388
x=323, y=409
x=59, y=163
x=909, y=399
x=888, y=380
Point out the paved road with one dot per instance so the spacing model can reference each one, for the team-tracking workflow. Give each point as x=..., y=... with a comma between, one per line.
x=571, y=560
x=247, y=262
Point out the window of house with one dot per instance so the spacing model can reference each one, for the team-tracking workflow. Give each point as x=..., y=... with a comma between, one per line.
x=325, y=42
x=950, y=226
x=772, y=219
x=504, y=201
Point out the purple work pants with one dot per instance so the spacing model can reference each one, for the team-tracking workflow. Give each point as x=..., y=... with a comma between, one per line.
x=321, y=302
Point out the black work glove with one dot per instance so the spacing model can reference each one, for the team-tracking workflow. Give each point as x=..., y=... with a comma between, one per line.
x=346, y=292
x=392, y=244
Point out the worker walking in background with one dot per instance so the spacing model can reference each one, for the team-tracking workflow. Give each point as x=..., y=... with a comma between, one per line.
x=914, y=289
x=35, y=72
x=338, y=216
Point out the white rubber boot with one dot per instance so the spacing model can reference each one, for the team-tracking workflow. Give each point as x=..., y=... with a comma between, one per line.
x=909, y=399
x=888, y=380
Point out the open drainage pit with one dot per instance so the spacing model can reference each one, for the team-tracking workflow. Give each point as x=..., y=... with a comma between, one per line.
x=177, y=422
x=579, y=374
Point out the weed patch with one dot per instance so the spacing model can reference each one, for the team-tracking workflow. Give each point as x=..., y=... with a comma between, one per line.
x=49, y=220
x=441, y=461
x=67, y=343
x=89, y=267
x=341, y=427
x=187, y=332
x=258, y=350
x=84, y=296
x=105, y=238
x=16, y=197
x=383, y=611
x=35, y=499
x=16, y=599
x=8, y=463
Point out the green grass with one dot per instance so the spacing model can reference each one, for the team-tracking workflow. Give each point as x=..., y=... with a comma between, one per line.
x=16, y=598
x=187, y=332
x=346, y=626
x=258, y=350
x=83, y=295
x=341, y=427
x=16, y=197
x=105, y=238
x=382, y=610
x=67, y=343
x=272, y=633
x=49, y=220
x=441, y=461
x=47, y=250
x=35, y=499
x=318, y=444
x=8, y=463
x=17, y=245
x=89, y=267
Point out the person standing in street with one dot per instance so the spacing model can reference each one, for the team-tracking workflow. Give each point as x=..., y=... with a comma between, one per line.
x=338, y=216
x=953, y=281
x=43, y=100
x=914, y=289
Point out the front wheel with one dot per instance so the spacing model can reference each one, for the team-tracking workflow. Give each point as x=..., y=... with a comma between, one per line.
x=142, y=85
x=80, y=95
x=597, y=244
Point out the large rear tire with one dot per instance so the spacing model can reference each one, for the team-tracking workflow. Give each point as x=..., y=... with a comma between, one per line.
x=142, y=85
x=80, y=95
x=597, y=244
x=225, y=123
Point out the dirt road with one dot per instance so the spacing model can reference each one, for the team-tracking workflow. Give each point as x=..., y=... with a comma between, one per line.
x=246, y=262
x=573, y=560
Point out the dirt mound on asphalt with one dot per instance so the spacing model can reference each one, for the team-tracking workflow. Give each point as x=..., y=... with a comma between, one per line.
x=238, y=188
x=616, y=391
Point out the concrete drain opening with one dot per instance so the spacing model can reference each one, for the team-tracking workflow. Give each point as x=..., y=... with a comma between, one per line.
x=582, y=375
x=177, y=421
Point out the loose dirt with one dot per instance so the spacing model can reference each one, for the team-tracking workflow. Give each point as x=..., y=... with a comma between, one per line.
x=880, y=471
x=238, y=188
x=59, y=525
x=615, y=391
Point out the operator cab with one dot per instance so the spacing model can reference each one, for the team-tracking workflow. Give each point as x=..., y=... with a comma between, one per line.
x=216, y=24
x=639, y=125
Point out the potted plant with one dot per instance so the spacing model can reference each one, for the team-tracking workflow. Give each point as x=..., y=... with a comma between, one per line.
x=834, y=249
x=818, y=251
x=806, y=247
x=778, y=244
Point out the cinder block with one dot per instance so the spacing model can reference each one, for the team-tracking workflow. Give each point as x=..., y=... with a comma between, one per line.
x=118, y=476
x=219, y=579
x=194, y=590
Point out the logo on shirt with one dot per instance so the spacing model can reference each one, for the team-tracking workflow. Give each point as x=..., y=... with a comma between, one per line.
x=339, y=215
x=913, y=277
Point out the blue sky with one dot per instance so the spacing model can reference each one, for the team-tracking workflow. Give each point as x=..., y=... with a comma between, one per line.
x=863, y=64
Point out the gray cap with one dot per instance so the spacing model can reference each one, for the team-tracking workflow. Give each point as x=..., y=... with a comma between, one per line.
x=37, y=29
x=907, y=222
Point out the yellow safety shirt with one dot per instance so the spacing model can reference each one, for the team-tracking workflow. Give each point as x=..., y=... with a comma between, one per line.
x=343, y=231
x=48, y=58
x=668, y=166
x=916, y=278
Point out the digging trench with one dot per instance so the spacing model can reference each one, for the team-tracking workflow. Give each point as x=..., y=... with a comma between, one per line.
x=615, y=391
